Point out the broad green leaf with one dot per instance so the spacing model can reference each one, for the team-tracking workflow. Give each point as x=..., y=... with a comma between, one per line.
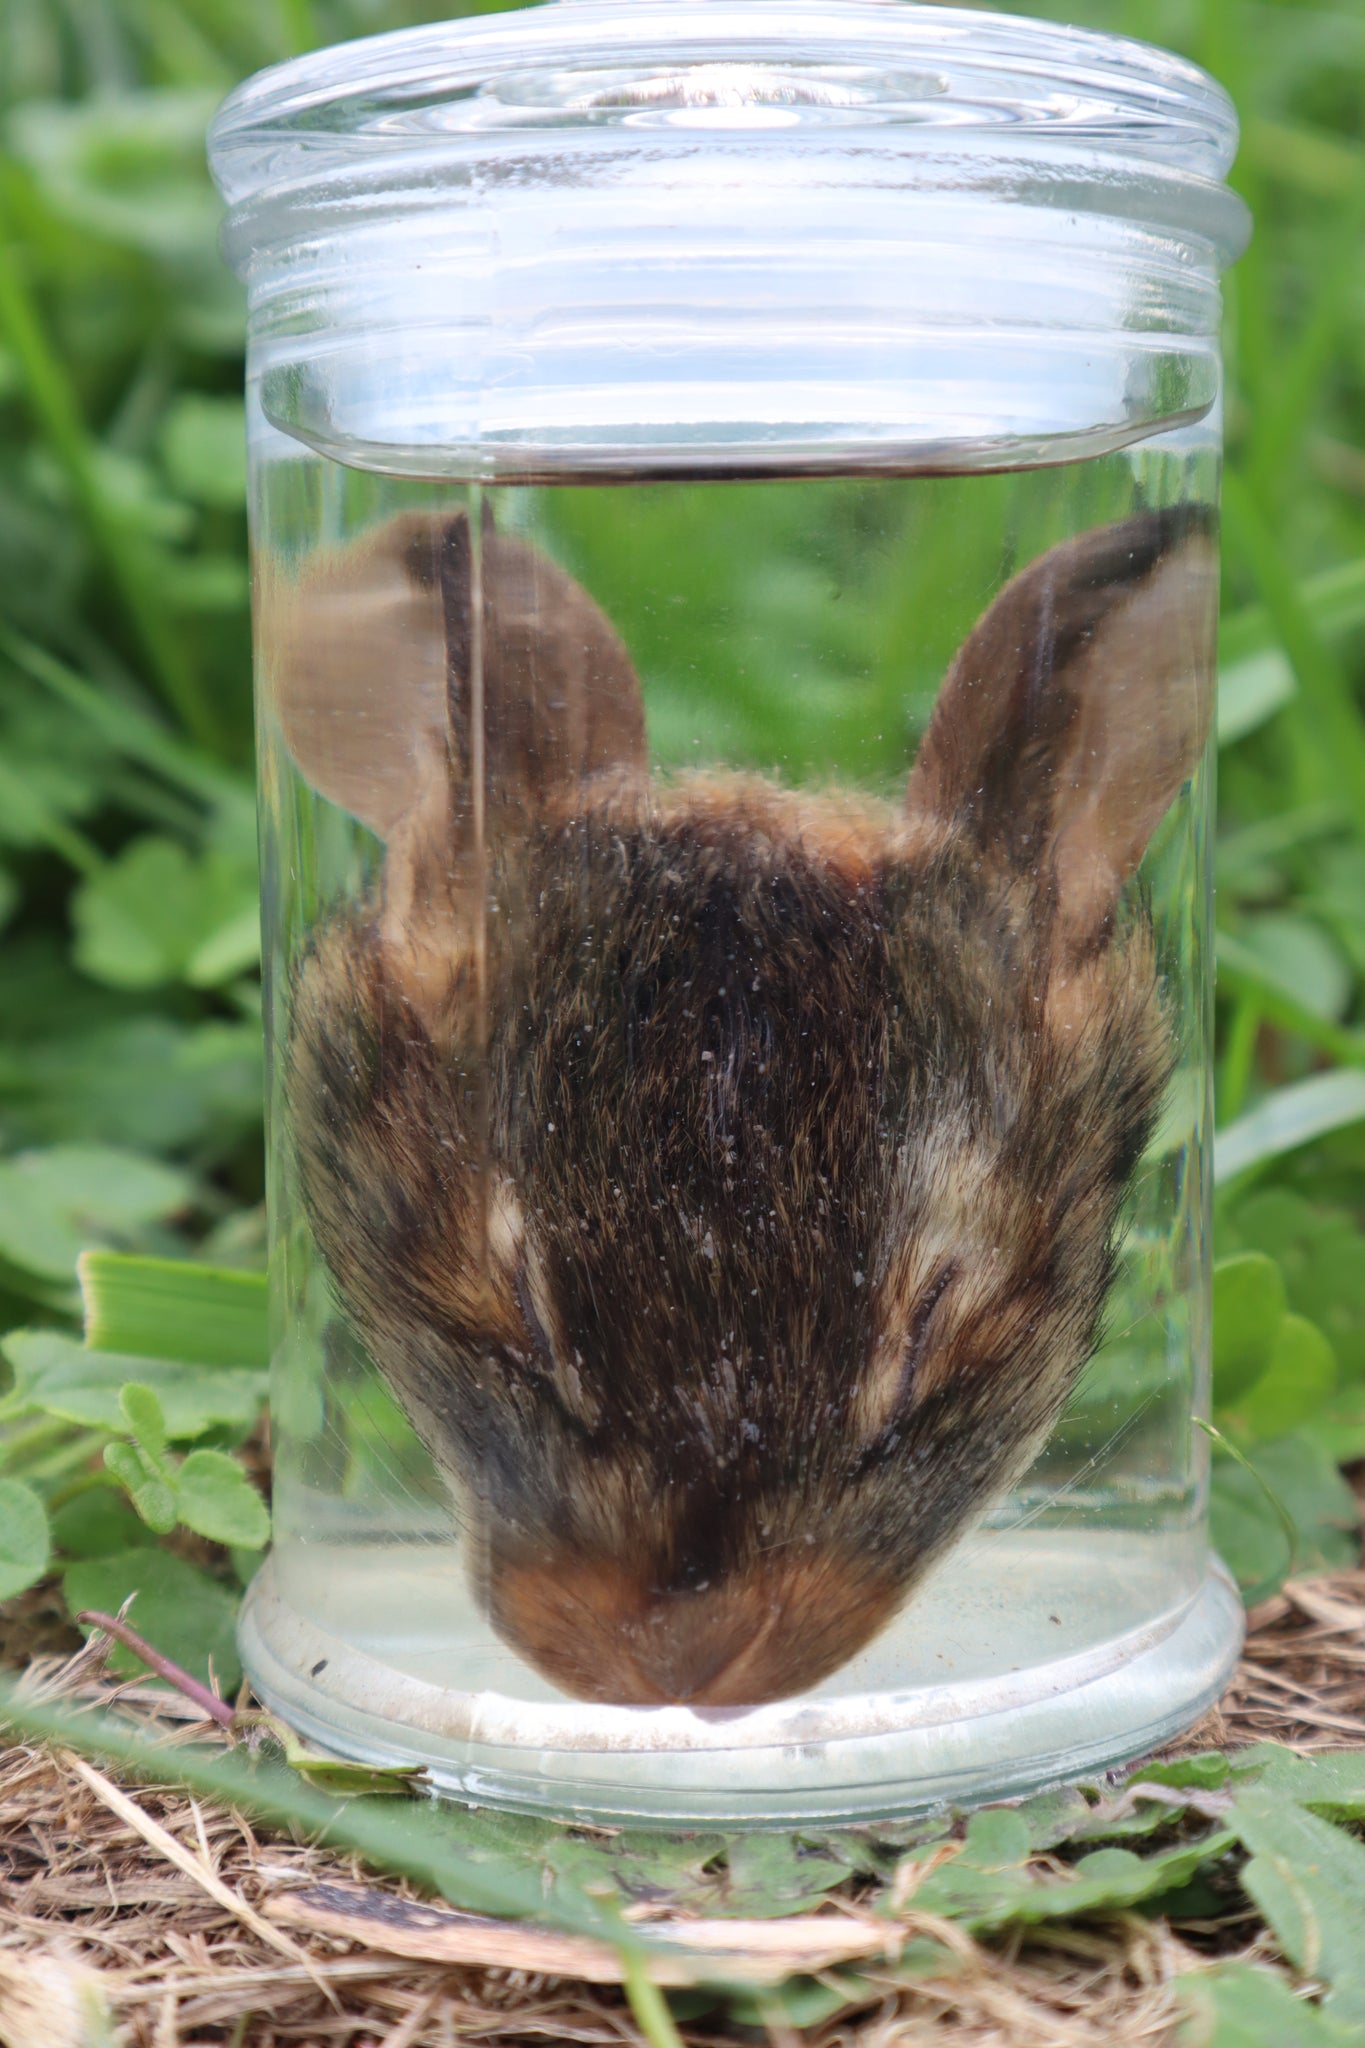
x=179, y=1609
x=493, y=1837
x=245, y=1563
x=1291, y=1117
x=688, y=1870
x=1331, y=1288
x=1119, y=1820
x=1209, y=1771
x=1339, y=1427
x=1245, y=1526
x=1308, y=1878
x=215, y=1498
x=136, y=496
x=1275, y=1221
x=771, y=1874
x=60, y=1377
x=1321, y=1252
x=25, y=1545
x=1249, y=1302
x=1247, y=1533
x=203, y=445
x=142, y=1412
x=1053, y=1817
x=997, y=1839
x=1331, y=1782
x=1334, y=1282
x=142, y=919
x=149, y=1081
x=231, y=948
x=1302, y=1373
x=126, y=167
x=56, y=1202
x=1103, y=1881
x=172, y=1308
x=805, y=2003
x=1240, y=2005
x=49, y=776
x=1318, y=1498
x=97, y=1522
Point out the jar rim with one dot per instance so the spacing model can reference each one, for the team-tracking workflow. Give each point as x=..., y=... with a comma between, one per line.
x=639, y=73
x=598, y=235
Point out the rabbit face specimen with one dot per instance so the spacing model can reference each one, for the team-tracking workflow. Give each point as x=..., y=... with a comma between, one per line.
x=726, y=1178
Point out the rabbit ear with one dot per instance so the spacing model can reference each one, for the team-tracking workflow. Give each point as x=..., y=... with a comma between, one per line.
x=354, y=659
x=1076, y=708
x=562, y=701
x=445, y=698
x=371, y=661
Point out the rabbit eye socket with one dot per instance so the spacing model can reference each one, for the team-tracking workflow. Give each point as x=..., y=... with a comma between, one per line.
x=917, y=1337
x=894, y=1388
x=530, y=1315
x=562, y=1380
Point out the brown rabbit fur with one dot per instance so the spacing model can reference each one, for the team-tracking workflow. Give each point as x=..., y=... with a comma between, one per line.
x=726, y=1179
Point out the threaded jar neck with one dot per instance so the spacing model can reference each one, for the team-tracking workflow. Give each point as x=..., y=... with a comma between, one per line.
x=602, y=235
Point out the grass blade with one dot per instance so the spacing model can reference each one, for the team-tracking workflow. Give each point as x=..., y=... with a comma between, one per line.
x=1241, y=973
x=1333, y=598
x=1331, y=738
x=1298, y=387
x=649, y=2006
x=1289, y=1118
x=1255, y=676
x=125, y=727
x=174, y=1309
x=414, y=1838
x=52, y=399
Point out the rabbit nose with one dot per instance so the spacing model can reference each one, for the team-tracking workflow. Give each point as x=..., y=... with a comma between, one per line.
x=603, y=1632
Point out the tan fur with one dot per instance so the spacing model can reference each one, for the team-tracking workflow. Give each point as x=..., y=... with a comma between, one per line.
x=602, y=1630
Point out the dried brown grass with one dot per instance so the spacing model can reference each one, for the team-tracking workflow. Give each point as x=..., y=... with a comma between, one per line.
x=1302, y=1676
x=142, y=1917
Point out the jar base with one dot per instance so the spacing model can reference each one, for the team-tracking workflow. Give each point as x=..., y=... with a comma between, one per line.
x=784, y=1764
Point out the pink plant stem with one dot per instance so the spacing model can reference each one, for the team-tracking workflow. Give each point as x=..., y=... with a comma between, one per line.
x=218, y=1710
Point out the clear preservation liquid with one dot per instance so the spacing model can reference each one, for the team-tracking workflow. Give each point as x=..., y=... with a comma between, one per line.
x=516, y=1465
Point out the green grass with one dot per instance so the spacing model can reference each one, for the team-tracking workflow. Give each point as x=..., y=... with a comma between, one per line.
x=129, y=1013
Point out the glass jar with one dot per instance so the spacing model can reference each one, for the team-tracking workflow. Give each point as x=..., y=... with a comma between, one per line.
x=734, y=514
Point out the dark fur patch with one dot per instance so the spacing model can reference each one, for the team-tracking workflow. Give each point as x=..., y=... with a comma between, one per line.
x=731, y=1096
